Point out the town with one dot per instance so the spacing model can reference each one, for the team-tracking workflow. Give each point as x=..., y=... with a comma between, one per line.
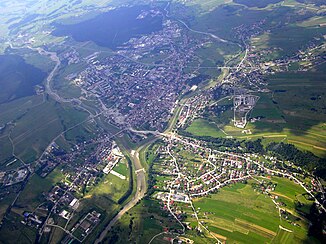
x=141, y=89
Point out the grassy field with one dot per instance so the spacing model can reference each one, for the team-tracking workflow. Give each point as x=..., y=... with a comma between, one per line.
x=232, y=15
x=236, y=214
x=201, y=127
x=12, y=231
x=214, y=54
x=5, y=152
x=292, y=112
x=122, y=168
x=205, y=5
x=240, y=214
x=17, y=108
x=39, y=126
x=5, y=203
x=111, y=187
x=35, y=121
x=140, y=224
x=289, y=39
x=31, y=197
x=292, y=194
x=296, y=110
x=17, y=78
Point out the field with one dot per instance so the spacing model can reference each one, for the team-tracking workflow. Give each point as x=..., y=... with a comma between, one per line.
x=240, y=214
x=111, y=186
x=290, y=39
x=201, y=127
x=32, y=119
x=257, y=3
x=122, y=168
x=222, y=19
x=205, y=5
x=236, y=214
x=291, y=113
x=295, y=112
x=31, y=196
x=5, y=152
x=140, y=224
x=12, y=230
x=5, y=203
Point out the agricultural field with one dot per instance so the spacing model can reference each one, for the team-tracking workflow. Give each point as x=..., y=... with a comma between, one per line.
x=30, y=123
x=205, y=5
x=142, y=223
x=288, y=113
x=238, y=213
x=233, y=15
x=202, y=127
x=73, y=142
x=293, y=111
x=287, y=40
x=17, y=78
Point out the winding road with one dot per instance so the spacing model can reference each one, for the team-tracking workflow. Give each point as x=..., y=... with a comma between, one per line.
x=48, y=88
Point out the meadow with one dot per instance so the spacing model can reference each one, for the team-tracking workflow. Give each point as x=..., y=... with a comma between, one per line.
x=140, y=224
x=238, y=213
x=291, y=112
x=31, y=196
x=35, y=122
x=111, y=186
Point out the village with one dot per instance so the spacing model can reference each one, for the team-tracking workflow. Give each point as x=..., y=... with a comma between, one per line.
x=187, y=169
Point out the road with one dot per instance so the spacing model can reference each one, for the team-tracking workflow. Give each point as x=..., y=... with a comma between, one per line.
x=48, y=88
x=167, y=14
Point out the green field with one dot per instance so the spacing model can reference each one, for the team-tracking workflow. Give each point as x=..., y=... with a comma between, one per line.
x=239, y=214
x=17, y=78
x=140, y=224
x=205, y=5
x=122, y=168
x=292, y=112
x=111, y=187
x=290, y=39
x=12, y=231
x=33, y=128
x=5, y=152
x=296, y=110
x=17, y=108
x=31, y=196
x=236, y=214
